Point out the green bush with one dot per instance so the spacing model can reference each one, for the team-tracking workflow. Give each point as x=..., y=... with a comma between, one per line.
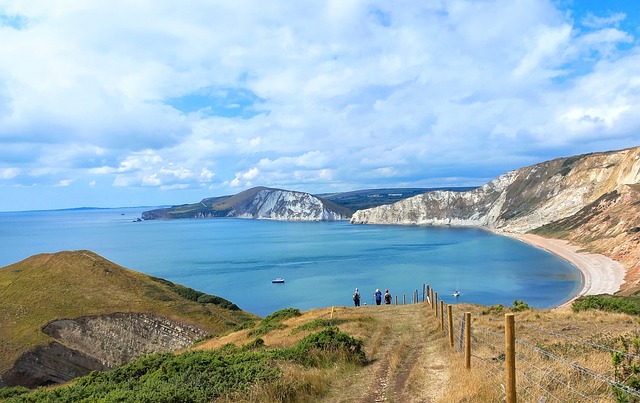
x=332, y=342
x=607, y=303
x=274, y=321
x=13, y=391
x=493, y=309
x=197, y=296
x=314, y=324
x=519, y=306
x=281, y=315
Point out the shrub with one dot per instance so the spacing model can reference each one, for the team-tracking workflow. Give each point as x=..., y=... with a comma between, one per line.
x=197, y=296
x=493, y=309
x=332, y=342
x=608, y=303
x=314, y=324
x=274, y=321
x=13, y=391
x=519, y=306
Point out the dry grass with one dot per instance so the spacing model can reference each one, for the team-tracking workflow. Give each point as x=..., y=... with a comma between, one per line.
x=555, y=355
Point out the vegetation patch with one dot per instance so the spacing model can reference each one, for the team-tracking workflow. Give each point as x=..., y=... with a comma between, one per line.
x=493, y=309
x=519, y=306
x=197, y=296
x=314, y=324
x=200, y=376
x=609, y=303
x=274, y=321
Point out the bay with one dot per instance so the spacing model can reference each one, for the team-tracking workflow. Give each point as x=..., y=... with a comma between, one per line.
x=322, y=262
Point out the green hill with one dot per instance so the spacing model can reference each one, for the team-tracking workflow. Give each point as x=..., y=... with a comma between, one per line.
x=66, y=285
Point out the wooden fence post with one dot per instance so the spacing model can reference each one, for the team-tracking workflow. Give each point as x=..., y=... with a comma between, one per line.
x=450, y=318
x=510, y=357
x=404, y=299
x=426, y=295
x=442, y=315
x=396, y=300
x=467, y=340
x=431, y=301
x=435, y=303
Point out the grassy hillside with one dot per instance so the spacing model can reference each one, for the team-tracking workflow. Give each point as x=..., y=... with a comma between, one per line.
x=46, y=287
x=317, y=356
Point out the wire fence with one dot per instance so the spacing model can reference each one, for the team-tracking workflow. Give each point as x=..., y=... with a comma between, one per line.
x=549, y=366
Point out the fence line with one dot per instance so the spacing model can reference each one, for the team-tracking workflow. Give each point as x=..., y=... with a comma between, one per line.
x=539, y=374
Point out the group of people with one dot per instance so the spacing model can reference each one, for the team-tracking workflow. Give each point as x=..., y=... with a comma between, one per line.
x=377, y=296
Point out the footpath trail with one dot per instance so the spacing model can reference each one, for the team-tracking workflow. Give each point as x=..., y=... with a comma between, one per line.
x=406, y=359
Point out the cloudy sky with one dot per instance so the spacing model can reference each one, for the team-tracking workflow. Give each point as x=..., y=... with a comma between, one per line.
x=128, y=103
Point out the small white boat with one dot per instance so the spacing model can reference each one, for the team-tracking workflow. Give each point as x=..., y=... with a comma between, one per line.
x=456, y=293
x=278, y=280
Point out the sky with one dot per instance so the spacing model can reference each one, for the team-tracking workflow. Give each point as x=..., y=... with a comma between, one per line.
x=146, y=103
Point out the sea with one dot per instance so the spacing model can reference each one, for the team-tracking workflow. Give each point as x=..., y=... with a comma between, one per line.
x=322, y=262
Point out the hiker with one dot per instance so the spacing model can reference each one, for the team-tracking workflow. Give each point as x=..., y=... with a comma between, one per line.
x=356, y=298
x=378, y=295
x=387, y=297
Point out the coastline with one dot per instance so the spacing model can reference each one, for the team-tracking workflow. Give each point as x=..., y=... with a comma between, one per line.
x=600, y=274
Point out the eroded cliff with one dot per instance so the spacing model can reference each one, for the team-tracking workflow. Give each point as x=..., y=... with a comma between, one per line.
x=520, y=200
x=98, y=342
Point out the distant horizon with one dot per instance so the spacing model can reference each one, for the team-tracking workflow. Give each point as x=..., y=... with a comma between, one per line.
x=109, y=104
x=229, y=195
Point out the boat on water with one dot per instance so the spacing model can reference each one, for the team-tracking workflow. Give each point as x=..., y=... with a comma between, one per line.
x=277, y=280
x=456, y=293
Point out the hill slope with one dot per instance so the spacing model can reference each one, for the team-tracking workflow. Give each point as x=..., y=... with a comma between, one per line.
x=80, y=305
x=407, y=358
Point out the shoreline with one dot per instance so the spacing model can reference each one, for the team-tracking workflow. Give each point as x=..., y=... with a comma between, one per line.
x=600, y=274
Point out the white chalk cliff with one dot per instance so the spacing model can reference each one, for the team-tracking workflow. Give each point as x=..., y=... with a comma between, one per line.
x=284, y=205
x=519, y=200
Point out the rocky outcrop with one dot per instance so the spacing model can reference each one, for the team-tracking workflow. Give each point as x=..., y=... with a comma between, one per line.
x=520, y=200
x=275, y=204
x=258, y=203
x=97, y=343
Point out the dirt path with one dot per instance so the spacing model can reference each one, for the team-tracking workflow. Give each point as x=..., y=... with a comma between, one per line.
x=406, y=362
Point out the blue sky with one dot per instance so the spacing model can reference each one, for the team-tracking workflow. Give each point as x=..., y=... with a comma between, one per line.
x=127, y=103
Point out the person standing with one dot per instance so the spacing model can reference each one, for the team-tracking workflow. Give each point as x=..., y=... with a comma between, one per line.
x=378, y=295
x=356, y=297
x=387, y=297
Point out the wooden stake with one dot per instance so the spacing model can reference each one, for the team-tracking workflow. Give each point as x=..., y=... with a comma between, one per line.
x=510, y=357
x=467, y=340
x=450, y=326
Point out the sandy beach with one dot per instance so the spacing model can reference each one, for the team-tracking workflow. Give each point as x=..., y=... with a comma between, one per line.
x=600, y=274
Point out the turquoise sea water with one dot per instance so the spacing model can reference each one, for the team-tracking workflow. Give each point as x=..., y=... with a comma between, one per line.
x=321, y=262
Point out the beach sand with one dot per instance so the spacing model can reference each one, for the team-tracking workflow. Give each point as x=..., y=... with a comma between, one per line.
x=600, y=274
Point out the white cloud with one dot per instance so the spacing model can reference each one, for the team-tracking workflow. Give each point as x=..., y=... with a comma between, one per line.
x=358, y=93
x=9, y=173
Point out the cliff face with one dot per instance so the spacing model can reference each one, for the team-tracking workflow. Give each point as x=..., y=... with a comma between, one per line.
x=609, y=226
x=285, y=205
x=520, y=200
x=258, y=203
x=99, y=343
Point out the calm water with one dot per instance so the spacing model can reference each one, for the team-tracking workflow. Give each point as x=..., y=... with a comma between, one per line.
x=321, y=262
